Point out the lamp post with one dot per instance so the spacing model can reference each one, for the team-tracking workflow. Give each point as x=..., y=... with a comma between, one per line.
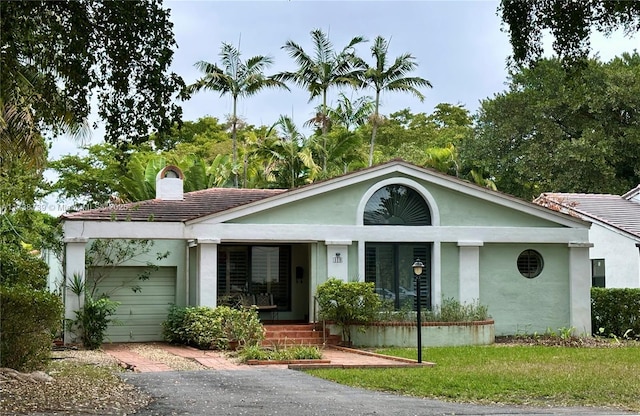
x=417, y=271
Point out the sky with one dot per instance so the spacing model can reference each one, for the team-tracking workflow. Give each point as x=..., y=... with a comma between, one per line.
x=458, y=44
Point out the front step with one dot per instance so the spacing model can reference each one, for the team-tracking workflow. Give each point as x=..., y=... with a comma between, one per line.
x=297, y=334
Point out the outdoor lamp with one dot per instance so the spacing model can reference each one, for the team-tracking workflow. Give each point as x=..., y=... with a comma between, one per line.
x=418, y=267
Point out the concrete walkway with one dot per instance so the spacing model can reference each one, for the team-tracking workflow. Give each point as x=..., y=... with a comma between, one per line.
x=216, y=360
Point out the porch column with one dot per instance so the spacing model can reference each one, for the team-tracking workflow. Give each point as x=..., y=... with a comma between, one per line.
x=74, y=256
x=207, y=281
x=580, y=287
x=469, y=271
x=338, y=259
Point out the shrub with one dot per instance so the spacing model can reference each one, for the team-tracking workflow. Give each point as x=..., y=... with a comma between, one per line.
x=93, y=319
x=19, y=267
x=28, y=321
x=615, y=312
x=452, y=310
x=347, y=304
x=212, y=328
x=296, y=352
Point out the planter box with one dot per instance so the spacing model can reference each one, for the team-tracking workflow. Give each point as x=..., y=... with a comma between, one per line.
x=434, y=334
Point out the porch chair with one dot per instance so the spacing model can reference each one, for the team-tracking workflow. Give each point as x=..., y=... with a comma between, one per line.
x=264, y=303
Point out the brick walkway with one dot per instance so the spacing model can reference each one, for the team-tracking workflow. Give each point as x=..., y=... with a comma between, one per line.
x=216, y=360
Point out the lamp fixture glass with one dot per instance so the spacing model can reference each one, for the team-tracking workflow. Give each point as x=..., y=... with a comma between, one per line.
x=418, y=266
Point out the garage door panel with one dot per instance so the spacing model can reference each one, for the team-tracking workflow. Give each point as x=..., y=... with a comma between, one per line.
x=140, y=314
x=136, y=299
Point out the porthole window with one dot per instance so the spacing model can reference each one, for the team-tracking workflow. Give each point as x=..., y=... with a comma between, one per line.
x=530, y=264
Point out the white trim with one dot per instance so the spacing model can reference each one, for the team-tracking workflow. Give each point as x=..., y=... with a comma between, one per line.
x=470, y=243
x=468, y=273
x=311, y=233
x=573, y=244
x=338, y=242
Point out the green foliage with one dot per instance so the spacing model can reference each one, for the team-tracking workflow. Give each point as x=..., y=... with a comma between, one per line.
x=91, y=180
x=212, y=328
x=29, y=319
x=554, y=131
x=20, y=267
x=615, y=312
x=296, y=352
x=61, y=51
x=93, y=319
x=347, y=304
x=570, y=24
x=499, y=374
x=452, y=310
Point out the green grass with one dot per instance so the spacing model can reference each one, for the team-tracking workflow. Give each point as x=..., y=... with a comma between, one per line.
x=531, y=375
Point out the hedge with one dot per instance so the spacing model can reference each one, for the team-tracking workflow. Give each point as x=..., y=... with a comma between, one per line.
x=29, y=319
x=615, y=312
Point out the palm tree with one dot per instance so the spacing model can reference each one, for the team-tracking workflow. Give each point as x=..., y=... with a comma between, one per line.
x=325, y=69
x=348, y=113
x=236, y=78
x=389, y=78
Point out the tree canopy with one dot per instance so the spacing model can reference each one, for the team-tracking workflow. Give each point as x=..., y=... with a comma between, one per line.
x=555, y=131
x=54, y=55
x=570, y=23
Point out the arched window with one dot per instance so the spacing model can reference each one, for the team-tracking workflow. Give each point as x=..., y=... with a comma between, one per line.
x=396, y=205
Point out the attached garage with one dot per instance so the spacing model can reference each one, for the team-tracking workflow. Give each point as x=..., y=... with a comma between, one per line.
x=141, y=313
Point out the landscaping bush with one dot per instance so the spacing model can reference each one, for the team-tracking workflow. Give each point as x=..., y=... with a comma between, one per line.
x=29, y=319
x=93, y=319
x=450, y=310
x=615, y=312
x=348, y=304
x=212, y=328
x=296, y=352
x=19, y=267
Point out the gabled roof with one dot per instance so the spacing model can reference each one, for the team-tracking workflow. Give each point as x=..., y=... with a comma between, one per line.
x=633, y=194
x=224, y=204
x=194, y=205
x=614, y=211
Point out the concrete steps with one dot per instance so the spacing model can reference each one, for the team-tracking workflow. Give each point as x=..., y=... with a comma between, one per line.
x=297, y=334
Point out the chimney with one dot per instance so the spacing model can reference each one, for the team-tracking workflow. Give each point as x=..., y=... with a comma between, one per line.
x=169, y=184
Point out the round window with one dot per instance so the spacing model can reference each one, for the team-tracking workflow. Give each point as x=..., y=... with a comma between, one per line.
x=530, y=264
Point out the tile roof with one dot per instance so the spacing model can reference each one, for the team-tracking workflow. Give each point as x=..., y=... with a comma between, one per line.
x=194, y=205
x=616, y=211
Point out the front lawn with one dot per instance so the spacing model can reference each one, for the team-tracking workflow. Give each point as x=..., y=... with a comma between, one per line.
x=528, y=375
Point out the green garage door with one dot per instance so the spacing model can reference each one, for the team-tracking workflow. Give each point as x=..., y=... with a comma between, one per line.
x=140, y=314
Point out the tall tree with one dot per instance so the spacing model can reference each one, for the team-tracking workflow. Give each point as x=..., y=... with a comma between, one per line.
x=554, y=131
x=55, y=54
x=383, y=77
x=238, y=79
x=325, y=69
x=351, y=113
x=570, y=23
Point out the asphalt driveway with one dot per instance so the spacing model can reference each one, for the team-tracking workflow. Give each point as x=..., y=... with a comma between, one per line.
x=265, y=391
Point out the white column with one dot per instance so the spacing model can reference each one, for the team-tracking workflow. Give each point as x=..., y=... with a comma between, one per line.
x=207, y=282
x=338, y=259
x=469, y=271
x=74, y=270
x=580, y=287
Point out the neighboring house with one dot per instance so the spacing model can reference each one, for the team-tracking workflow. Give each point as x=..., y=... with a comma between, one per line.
x=528, y=264
x=615, y=233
